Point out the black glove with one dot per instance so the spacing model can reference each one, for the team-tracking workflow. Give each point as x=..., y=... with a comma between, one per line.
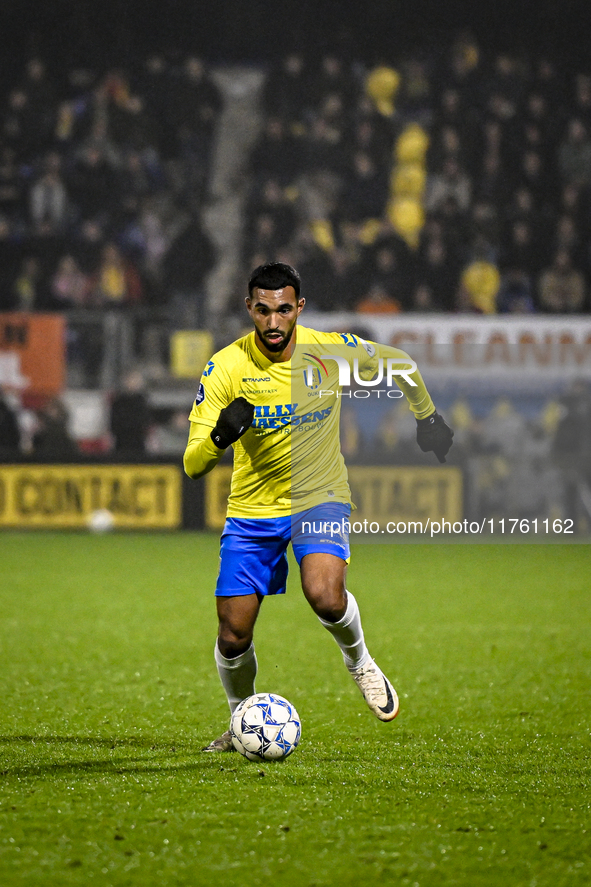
x=232, y=422
x=434, y=436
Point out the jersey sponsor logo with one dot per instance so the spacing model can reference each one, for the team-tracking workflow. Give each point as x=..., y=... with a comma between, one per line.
x=283, y=414
x=209, y=368
x=256, y=378
x=250, y=392
x=200, y=395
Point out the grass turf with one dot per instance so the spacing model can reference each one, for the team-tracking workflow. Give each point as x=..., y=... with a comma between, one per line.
x=108, y=692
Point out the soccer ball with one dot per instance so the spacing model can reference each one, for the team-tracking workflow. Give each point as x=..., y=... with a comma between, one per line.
x=100, y=521
x=265, y=727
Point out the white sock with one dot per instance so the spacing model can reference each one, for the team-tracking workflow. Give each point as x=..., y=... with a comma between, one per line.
x=348, y=633
x=237, y=675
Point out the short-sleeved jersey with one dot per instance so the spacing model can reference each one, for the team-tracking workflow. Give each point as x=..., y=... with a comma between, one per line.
x=290, y=459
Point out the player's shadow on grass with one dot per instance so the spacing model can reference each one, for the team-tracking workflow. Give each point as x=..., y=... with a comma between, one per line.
x=116, y=764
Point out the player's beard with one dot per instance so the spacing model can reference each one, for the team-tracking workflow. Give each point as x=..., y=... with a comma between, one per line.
x=281, y=345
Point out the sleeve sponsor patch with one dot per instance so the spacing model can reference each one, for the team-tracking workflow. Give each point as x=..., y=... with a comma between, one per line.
x=349, y=339
x=371, y=349
x=200, y=395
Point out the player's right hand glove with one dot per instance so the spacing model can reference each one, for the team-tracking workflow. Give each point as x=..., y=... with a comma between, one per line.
x=232, y=422
x=434, y=436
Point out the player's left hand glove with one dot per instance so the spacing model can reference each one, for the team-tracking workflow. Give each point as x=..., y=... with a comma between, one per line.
x=434, y=436
x=232, y=422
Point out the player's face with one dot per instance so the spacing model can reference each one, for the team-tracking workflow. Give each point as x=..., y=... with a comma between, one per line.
x=274, y=314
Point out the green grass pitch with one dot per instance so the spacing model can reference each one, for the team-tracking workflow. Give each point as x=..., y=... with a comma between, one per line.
x=109, y=690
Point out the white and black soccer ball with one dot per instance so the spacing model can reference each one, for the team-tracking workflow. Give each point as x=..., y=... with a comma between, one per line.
x=265, y=727
x=100, y=521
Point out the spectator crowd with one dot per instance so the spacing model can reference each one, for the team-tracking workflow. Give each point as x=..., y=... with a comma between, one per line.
x=103, y=176
x=448, y=181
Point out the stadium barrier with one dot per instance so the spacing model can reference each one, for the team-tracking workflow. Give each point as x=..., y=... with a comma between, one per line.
x=138, y=495
x=152, y=495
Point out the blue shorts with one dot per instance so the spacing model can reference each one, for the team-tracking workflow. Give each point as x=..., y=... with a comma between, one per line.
x=253, y=553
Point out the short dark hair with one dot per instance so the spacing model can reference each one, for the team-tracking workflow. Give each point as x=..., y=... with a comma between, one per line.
x=274, y=276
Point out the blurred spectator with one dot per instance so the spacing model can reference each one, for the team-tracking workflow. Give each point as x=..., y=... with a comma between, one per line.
x=169, y=438
x=52, y=440
x=366, y=190
x=423, y=299
x=116, y=281
x=153, y=83
x=573, y=202
x=41, y=100
x=153, y=236
x=10, y=438
x=504, y=428
x=371, y=137
x=515, y=293
x=574, y=155
x=94, y=183
x=135, y=182
x=438, y=270
x=275, y=155
x=48, y=198
x=88, y=245
x=130, y=416
x=377, y=301
x=582, y=99
x=69, y=286
x=491, y=184
x=272, y=201
x=535, y=175
x=131, y=126
x=350, y=433
x=452, y=182
x=571, y=446
x=10, y=254
x=12, y=190
x=286, y=89
x=192, y=109
x=30, y=286
x=479, y=285
x=19, y=126
x=326, y=149
x=569, y=239
x=317, y=274
x=385, y=270
x=189, y=259
x=519, y=249
x=561, y=287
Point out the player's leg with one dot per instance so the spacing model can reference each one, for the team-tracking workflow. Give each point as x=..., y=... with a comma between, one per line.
x=323, y=583
x=234, y=654
x=253, y=563
x=234, y=649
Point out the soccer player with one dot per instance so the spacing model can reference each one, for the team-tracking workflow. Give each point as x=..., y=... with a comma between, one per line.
x=275, y=396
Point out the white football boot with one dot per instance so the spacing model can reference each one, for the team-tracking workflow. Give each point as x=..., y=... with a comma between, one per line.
x=377, y=690
x=222, y=743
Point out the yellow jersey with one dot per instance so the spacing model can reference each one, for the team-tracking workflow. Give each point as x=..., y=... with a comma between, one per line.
x=290, y=459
